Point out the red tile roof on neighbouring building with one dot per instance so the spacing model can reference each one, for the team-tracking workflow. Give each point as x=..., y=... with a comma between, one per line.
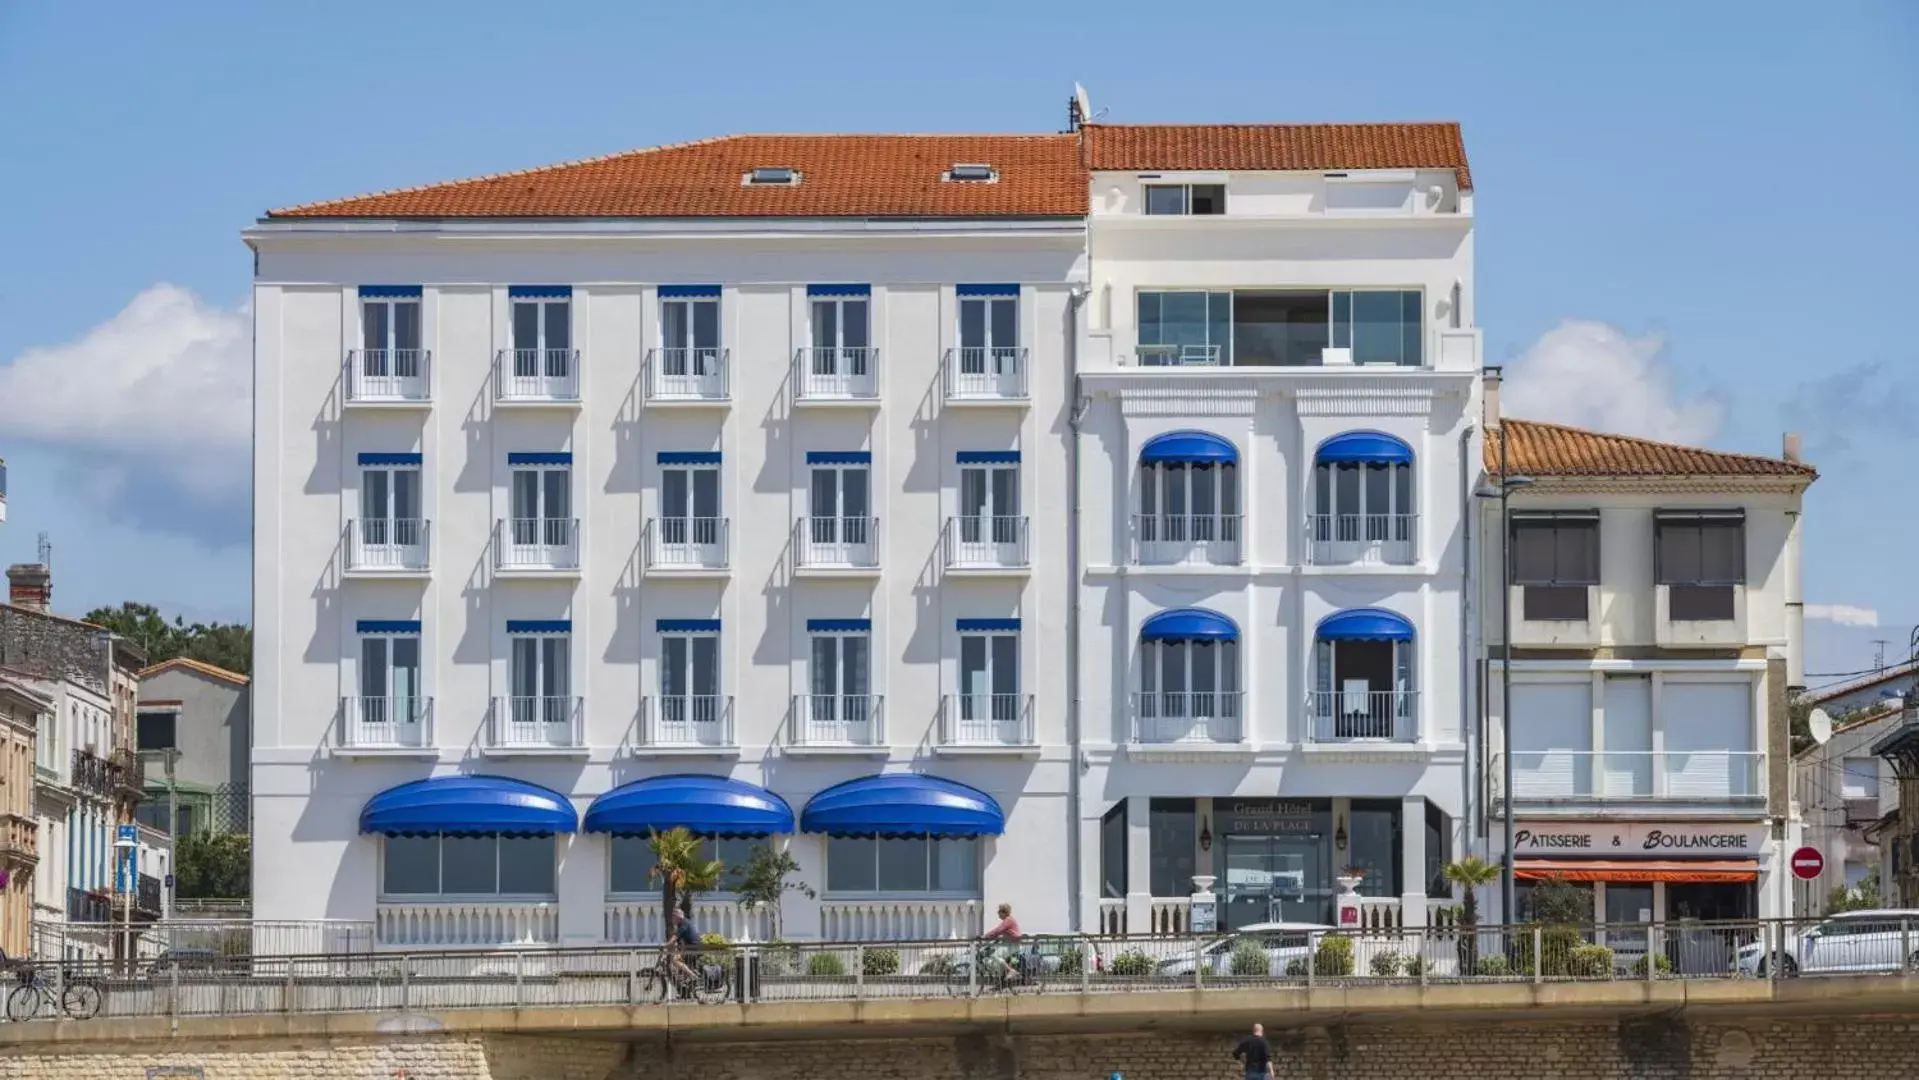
x=1278, y=147
x=1539, y=449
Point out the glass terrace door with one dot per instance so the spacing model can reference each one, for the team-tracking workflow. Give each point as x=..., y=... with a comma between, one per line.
x=989, y=353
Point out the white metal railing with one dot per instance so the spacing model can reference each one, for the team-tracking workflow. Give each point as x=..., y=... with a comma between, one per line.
x=683, y=374
x=528, y=723
x=987, y=720
x=537, y=544
x=1179, y=356
x=687, y=543
x=399, y=545
x=389, y=375
x=838, y=720
x=1363, y=539
x=687, y=720
x=899, y=920
x=986, y=373
x=976, y=542
x=1692, y=775
x=1203, y=716
x=468, y=925
x=834, y=372
x=1169, y=915
x=536, y=375
x=1186, y=539
x=1364, y=715
x=839, y=541
x=638, y=920
x=386, y=723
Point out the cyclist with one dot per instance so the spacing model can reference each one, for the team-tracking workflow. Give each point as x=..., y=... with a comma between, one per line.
x=1006, y=930
x=684, y=942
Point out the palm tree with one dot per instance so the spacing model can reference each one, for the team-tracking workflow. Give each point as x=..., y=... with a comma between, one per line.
x=678, y=863
x=1469, y=875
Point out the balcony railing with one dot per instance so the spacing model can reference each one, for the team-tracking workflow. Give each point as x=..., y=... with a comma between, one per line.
x=129, y=772
x=88, y=907
x=19, y=837
x=537, y=544
x=837, y=720
x=147, y=896
x=389, y=376
x=987, y=720
x=388, y=545
x=687, y=721
x=1363, y=539
x=986, y=543
x=1201, y=716
x=1716, y=776
x=1363, y=715
x=839, y=542
x=537, y=723
x=536, y=376
x=1186, y=539
x=477, y=925
x=687, y=543
x=986, y=374
x=834, y=373
x=687, y=376
x=1179, y=356
x=385, y=723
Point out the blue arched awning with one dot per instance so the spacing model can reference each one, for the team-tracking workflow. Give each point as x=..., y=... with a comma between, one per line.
x=1365, y=446
x=1189, y=624
x=468, y=804
x=903, y=804
x=1365, y=624
x=1191, y=447
x=708, y=805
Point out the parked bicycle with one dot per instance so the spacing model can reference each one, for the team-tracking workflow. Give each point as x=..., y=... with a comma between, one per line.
x=710, y=983
x=79, y=997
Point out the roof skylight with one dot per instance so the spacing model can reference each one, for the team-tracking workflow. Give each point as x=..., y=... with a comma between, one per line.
x=772, y=174
x=972, y=173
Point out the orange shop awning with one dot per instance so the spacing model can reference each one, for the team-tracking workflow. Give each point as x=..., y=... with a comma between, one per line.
x=1700, y=871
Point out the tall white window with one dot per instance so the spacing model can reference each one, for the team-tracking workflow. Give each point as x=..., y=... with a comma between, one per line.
x=541, y=674
x=390, y=509
x=989, y=497
x=689, y=331
x=841, y=363
x=989, y=673
x=1363, y=499
x=1188, y=678
x=690, y=501
x=988, y=335
x=1189, y=506
x=689, y=673
x=390, y=689
x=841, y=674
x=841, y=488
x=390, y=332
x=542, y=499
x=542, y=332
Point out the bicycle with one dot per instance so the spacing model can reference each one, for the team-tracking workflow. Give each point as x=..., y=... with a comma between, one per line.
x=711, y=983
x=80, y=998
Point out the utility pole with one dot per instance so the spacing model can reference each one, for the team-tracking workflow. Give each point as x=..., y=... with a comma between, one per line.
x=173, y=832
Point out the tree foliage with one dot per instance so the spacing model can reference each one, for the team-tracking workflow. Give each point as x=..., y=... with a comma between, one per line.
x=684, y=871
x=1861, y=897
x=213, y=866
x=226, y=645
x=1469, y=875
x=763, y=882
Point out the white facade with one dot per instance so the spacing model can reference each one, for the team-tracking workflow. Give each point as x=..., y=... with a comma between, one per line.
x=479, y=571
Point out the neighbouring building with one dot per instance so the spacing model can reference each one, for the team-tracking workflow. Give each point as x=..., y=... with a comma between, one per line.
x=1656, y=640
x=22, y=710
x=1898, y=834
x=1846, y=794
x=198, y=712
x=1868, y=693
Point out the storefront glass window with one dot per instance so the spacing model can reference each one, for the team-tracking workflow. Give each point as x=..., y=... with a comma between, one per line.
x=1112, y=852
x=1172, y=826
x=1374, y=845
x=1439, y=851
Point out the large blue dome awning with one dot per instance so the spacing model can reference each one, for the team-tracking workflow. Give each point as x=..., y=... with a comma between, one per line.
x=903, y=804
x=1189, y=624
x=707, y=805
x=1365, y=624
x=1365, y=446
x=1191, y=447
x=468, y=805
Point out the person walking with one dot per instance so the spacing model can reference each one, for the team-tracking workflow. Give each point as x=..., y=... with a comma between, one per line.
x=1254, y=1053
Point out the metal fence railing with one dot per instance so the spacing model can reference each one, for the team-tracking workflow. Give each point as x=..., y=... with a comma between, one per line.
x=349, y=975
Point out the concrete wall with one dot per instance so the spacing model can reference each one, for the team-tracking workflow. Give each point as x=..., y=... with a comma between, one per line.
x=213, y=729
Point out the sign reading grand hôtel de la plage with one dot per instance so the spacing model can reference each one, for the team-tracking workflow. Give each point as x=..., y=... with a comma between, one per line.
x=1641, y=840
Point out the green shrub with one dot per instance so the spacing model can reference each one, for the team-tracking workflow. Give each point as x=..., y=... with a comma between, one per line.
x=778, y=958
x=880, y=962
x=711, y=942
x=1415, y=966
x=826, y=965
x=1589, y=962
x=1661, y=964
x=942, y=966
x=1335, y=957
x=1558, y=943
x=1388, y=964
x=1493, y=967
x=1249, y=959
x=1072, y=961
x=1132, y=964
x=1296, y=968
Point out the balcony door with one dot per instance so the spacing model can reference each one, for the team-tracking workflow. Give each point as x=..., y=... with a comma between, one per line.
x=390, y=337
x=840, y=337
x=690, y=336
x=841, y=674
x=690, y=685
x=541, y=676
x=1365, y=686
x=842, y=504
x=390, y=510
x=542, y=506
x=389, y=679
x=989, y=684
x=542, y=337
x=690, y=505
x=989, y=335
x=989, y=503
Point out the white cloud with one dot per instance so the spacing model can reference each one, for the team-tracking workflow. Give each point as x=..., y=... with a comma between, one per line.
x=1843, y=614
x=164, y=387
x=1591, y=375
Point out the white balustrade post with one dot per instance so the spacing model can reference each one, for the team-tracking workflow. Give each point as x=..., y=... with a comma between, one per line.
x=859, y=971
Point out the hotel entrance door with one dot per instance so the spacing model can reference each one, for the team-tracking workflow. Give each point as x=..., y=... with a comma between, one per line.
x=1276, y=879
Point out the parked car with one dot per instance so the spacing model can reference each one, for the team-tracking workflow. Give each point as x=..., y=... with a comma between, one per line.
x=192, y=959
x=1855, y=941
x=1282, y=942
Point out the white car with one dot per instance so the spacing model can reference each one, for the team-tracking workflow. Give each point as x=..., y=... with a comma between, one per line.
x=1856, y=941
x=1282, y=942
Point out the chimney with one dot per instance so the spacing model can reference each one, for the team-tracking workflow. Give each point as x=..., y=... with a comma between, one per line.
x=1794, y=449
x=1489, y=403
x=29, y=585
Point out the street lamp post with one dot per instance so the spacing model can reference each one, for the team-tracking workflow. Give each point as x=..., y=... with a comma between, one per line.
x=1503, y=492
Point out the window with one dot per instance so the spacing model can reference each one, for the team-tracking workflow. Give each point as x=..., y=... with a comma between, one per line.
x=690, y=334
x=1861, y=779
x=690, y=503
x=841, y=503
x=972, y=173
x=542, y=334
x=1194, y=502
x=540, y=675
x=1374, y=845
x=1380, y=327
x=1192, y=199
x=390, y=335
x=390, y=678
x=1192, y=329
x=1181, y=679
x=1363, y=687
x=1171, y=828
x=1700, y=557
x=542, y=501
x=1289, y=329
x=1363, y=502
x=1555, y=558
x=989, y=675
x=840, y=337
x=633, y=861
x=390, y=511
x=903, y=864
x=841, y=673
x=689, y=675
x=989, y=334
x=1112, y=852
x=989, y=502
x=483, y=864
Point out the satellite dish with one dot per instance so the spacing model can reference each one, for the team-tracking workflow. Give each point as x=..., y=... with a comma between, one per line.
x=1085, y=106
x=1820, y=723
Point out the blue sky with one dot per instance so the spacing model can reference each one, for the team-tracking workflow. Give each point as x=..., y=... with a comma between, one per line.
x=1717, y=195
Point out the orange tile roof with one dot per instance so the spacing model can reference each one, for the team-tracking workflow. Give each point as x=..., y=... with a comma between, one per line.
x=1539, y=449
x=1278, y=147
x=884, y=176
x=204, y=668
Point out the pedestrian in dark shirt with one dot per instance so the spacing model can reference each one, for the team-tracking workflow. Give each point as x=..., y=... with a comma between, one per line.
x=1255, y=1054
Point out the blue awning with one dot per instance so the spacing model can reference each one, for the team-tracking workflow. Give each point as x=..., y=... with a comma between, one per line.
x=539, y=626
x=1189, y=624
x=839, y=290
x=686, y=626
x=839, y=457
x=688, y=457
x=903, y=804
x=668, y=292
x=397, y=292
x=1201, y=447
x=1365, y=624
x=997, y=289
x=539, y=457
x=987, y=457
x=708, y=805
x=539, y=292
x=375, y=458
x=982, y=625
x=387, y=626
x=1365, y=446
x=468, y=804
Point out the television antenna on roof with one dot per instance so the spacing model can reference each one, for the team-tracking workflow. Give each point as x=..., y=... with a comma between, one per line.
x=46, y=551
